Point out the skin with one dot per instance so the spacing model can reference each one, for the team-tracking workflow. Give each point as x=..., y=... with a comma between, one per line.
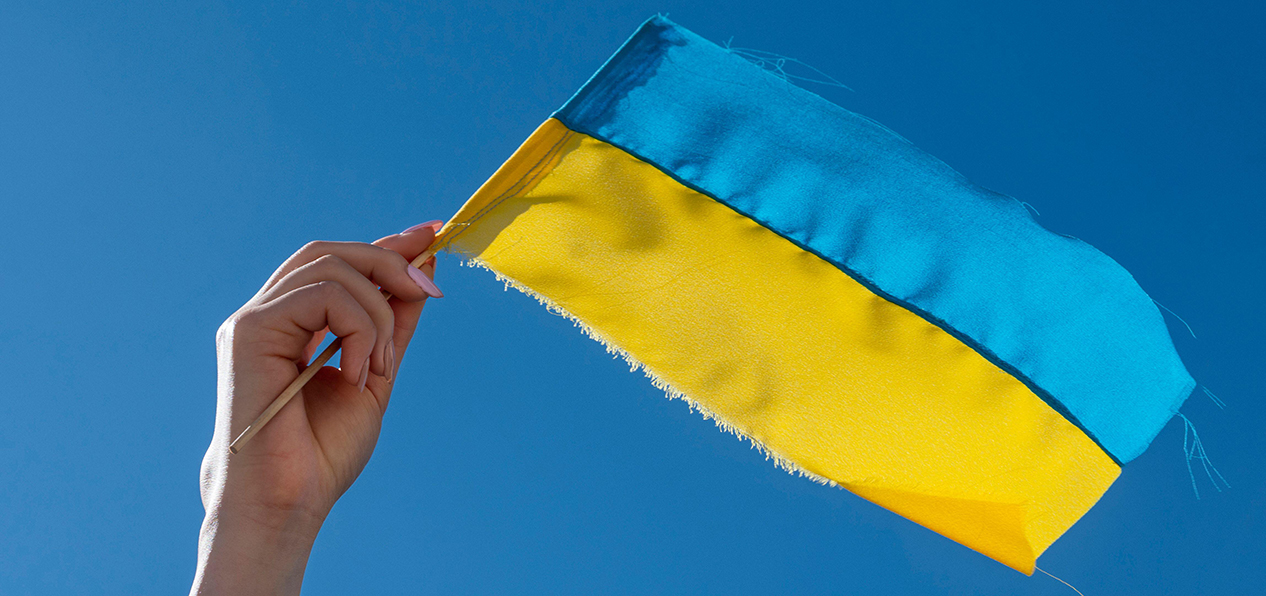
x=265, y=505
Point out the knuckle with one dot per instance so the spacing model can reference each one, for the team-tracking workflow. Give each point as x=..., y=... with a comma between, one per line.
x=232, y=329
x=380, y=311
x=224, y=333
x=395, y=259
x=245, y=318
x=311, y=248
x=388, y=321
x=315, y=247
x=328, y=261
x=330, y=289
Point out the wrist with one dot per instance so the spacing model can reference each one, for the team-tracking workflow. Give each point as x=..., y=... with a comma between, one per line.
x=250, y=550
x=259, y=492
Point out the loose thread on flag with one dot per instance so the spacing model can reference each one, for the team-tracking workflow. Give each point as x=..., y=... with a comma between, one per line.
x=777, y=64
x=1058, y=580
x=1217, y=402
x=1193, y=448
x=1180, y=319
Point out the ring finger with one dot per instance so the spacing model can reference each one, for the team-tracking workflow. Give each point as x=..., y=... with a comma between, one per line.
x=333, y=268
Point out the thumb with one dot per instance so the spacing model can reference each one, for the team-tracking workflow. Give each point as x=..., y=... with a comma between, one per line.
x=410, y=243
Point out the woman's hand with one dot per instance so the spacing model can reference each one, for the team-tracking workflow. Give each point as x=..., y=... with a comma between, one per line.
x=265, y=504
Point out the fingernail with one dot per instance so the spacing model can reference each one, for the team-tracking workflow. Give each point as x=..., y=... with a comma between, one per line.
x=391, y=360
x=425, y=283
x=434, y=224
x=364, y=376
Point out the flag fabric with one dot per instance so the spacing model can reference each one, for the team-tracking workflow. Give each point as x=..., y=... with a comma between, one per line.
x=813, y=282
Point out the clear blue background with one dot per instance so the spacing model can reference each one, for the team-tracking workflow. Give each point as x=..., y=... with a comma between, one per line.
x=158, y=160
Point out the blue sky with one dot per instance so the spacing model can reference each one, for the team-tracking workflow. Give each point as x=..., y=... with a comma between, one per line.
x=158, y=160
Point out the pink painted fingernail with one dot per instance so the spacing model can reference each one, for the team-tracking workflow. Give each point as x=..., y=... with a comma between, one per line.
x=391, y=360
x=364, y=376
x=434, y=224
x=425, y=283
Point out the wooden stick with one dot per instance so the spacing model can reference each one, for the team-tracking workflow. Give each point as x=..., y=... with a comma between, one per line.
x=314, y=366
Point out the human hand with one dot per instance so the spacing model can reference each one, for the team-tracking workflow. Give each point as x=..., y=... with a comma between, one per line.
x=265, y=504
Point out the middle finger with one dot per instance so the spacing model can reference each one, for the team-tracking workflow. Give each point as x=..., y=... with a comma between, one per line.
x=364, y=291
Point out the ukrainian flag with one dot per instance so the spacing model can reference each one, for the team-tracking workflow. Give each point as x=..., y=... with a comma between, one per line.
x=814, y=282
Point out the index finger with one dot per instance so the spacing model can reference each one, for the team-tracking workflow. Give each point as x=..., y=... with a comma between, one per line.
x=413, y=241
x=389, y=269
